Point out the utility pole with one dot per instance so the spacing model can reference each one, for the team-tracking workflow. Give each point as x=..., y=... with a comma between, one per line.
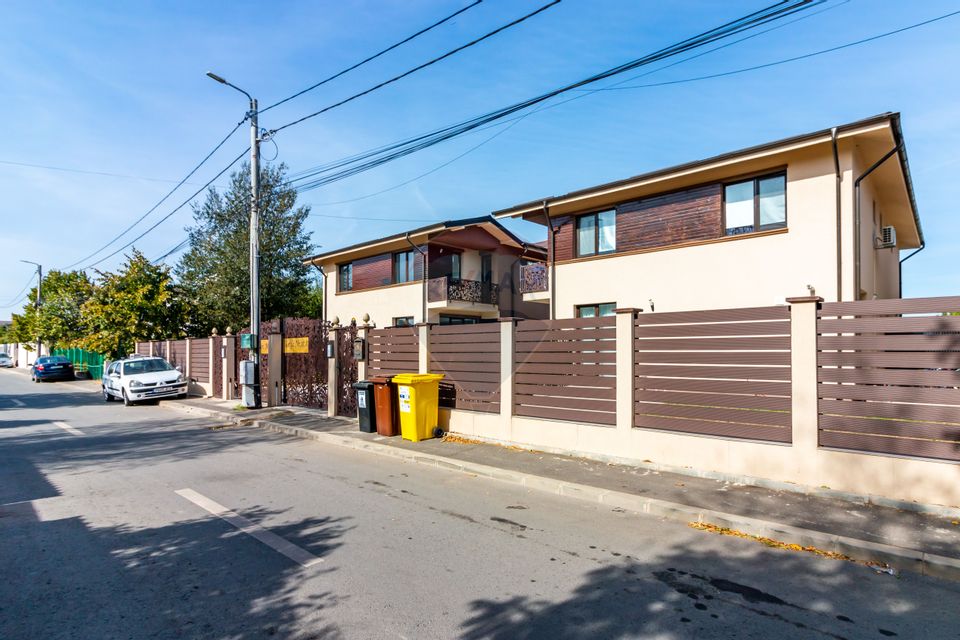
x=39, y=299
x=254, y=235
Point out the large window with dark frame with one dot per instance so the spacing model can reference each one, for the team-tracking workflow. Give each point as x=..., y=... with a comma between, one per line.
x=404, y=266
x=758, y=204
x=597, y=233
x=403, y=321
x=345, y=272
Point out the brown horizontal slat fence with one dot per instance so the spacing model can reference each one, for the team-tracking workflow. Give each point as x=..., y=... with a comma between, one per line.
x=143, y=348
x=723, y=372
x=393, y=350
x=200, y=360
x=888, y=376
x=471, y=376
x=566, y=370
x=178, y=353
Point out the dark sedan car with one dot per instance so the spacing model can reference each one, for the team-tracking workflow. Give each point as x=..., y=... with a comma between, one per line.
x=51, y=368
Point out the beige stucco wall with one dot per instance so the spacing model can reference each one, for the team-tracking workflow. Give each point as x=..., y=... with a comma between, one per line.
x=383, y=303
x=752, y=271
x=743, y=272
x=879, y=268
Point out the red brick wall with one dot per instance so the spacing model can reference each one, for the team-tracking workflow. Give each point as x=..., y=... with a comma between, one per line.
x=658, y=221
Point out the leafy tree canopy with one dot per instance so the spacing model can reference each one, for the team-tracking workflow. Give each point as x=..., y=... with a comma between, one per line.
x=58, y=321
x=138, y=302
x=214, y=273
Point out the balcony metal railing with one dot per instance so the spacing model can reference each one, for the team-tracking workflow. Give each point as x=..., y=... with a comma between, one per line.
x=457, y=289
x=534, y=278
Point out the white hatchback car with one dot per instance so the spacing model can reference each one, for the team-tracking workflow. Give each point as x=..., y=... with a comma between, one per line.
x=142, y=378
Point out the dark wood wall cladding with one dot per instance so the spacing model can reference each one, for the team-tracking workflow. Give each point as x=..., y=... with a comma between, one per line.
x=674, y=218
x=660, y=221
x=377, y=271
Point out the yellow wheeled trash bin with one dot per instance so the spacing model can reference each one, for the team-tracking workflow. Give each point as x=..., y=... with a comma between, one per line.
x=418, y=396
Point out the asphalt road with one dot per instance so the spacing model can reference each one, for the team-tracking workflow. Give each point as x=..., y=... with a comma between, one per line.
x=141, y=522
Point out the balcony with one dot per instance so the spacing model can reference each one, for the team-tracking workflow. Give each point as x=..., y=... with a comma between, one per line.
x=453, y=292
x=535, y=282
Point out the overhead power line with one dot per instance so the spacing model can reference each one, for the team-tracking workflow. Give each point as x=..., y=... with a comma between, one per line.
x=166, y=217
x=363, y=162
x=767, y=65
x=20, y=295
x=374, y=56
x=85, y=171
x=420, y=67
x=156, y=206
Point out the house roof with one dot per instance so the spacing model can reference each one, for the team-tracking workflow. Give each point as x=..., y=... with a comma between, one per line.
x=425, y=232
x=533, y=208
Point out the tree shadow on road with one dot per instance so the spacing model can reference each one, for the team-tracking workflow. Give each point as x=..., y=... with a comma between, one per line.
x=695, y=591
x=128, y=445
x=196, y=578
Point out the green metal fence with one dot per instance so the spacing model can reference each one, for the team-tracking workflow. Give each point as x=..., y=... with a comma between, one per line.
x=84, y=362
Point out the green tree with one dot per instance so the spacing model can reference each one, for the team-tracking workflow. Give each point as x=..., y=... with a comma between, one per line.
x=60, y=321
x=214, y=272
x=139, y=302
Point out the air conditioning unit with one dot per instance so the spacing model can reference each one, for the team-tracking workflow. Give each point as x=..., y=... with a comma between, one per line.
x=887, y=239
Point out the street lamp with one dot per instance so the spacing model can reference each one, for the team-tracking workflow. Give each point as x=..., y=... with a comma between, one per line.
x=39, y=293
x=254, y=236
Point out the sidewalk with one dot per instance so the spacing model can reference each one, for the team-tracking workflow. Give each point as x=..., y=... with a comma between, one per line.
x=902, y=539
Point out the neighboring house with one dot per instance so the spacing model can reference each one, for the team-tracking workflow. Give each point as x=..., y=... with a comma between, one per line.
x=828, y=211
x=473, y=271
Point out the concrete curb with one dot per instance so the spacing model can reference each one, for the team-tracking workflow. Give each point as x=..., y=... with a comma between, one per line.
x=900, y=558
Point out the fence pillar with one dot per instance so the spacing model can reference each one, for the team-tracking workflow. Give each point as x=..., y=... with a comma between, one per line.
x=507, y=333
x=186, y=365
x=626, y=332
x=229, y=365
x=803, y=363
x=423, y=333
x=166, y=353
x=333, y=379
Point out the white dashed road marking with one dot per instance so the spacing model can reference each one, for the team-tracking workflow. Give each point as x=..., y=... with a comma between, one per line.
x=267, y=537
x=68, y=428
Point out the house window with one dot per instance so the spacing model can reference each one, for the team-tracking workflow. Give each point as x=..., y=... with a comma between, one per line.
x=755, y=205
x=445, y=319
x=596, y=310
x=403, y=321
x=346, y=276
x=403, y=267
x=455, y=266
x=486, y=268
x=597, y=233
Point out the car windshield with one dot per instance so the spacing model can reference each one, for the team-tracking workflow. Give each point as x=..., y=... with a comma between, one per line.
x=52, y=360
x=151, y=365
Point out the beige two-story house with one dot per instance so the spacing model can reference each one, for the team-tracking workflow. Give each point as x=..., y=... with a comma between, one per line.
x=472, y=275
x=829, y=212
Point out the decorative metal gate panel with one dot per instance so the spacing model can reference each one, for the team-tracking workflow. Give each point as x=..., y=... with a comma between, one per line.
x=305, y=362
x=346, y=370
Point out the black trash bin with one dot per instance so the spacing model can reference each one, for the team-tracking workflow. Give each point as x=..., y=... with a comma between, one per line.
x=366, y=409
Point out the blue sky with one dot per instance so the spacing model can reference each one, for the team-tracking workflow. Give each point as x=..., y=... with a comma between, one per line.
x=120, y=88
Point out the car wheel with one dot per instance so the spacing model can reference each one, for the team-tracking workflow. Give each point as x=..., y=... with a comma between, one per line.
x=106, y=395
x=36, y=379
x=126, y=399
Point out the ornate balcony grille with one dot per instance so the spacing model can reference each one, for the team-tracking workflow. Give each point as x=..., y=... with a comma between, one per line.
x=534, y=278
x=458, y=289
